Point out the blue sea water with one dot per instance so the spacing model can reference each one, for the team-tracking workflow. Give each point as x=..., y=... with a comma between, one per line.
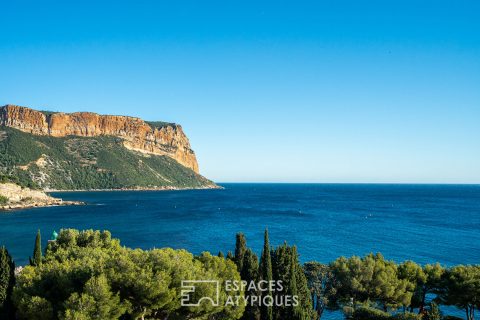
x=424, y=223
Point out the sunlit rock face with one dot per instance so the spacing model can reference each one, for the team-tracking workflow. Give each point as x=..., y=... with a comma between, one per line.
x=164, y=139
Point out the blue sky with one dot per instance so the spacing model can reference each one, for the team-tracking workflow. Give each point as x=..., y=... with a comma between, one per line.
x=281, y=91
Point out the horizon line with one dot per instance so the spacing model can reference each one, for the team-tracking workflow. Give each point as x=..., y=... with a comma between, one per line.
x=384, y=183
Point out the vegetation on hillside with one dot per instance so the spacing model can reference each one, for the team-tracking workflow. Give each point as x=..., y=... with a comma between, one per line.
x=3, y=200
x=72, y=163
x=159, y=124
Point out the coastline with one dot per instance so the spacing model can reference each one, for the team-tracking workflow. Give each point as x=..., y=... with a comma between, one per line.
x=138, y=189
x=14, y=197
x=56, y=203
x=29, y=199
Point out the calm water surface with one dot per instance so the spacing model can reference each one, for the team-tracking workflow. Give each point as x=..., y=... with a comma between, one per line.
x=425, y=223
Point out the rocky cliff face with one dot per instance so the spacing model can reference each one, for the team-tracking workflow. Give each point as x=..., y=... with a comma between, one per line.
x=138, y=135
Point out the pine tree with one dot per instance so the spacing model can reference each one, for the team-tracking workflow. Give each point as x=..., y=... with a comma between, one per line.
x=37, y=251
x=7, y=281
x=240, y=249
x=266, y=312
x=96, y=302
x=221, y=255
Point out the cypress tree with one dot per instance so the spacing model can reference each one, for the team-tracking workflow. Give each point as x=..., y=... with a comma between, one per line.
x=286, y=268
x=240, y=249
x=281, y=261
x=230, y=256
x=220, y=254
x=294, y=311
x=7, y=281
x=266, y=312
x=250, y=274
x=305, y=309
x=37, y=251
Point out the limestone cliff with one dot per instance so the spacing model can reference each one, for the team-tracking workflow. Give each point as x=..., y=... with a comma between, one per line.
x=163, y=139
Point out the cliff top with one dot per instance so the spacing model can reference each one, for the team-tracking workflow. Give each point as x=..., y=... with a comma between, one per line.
x=154, y=124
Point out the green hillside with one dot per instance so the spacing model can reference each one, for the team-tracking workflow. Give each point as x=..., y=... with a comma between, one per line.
x=87, y=163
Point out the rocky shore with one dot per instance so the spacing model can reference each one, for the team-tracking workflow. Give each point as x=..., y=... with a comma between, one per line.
x=13, y=197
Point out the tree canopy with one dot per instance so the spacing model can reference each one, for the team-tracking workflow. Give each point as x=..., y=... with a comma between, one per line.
x=89, y=275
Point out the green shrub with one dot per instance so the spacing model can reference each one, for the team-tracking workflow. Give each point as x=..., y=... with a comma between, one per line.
x=366, y=313
x=3, y=200
x=407, y=316
x=433, y=312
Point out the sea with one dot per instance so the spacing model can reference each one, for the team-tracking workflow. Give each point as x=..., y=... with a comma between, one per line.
x=419, y=222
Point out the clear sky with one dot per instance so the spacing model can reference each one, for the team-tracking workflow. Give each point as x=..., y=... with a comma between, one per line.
x=283, y=91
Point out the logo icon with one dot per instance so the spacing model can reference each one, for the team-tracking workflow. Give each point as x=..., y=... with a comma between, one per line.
x=196, y=292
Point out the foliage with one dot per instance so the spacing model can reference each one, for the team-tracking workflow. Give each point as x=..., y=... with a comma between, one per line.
x=461, y=288
x=240, y=249
x=87, y=163
x=280, y=265
x=368, y=313
x=365, y=313
x=266, y=312
x=422, y=281
x=48, y=113
x=247, y=265
x=433, y=312
x=321, y=282
x=230, y=256
x=371, y=278
x=88, y=275
x=95, y=302
x=159, y=124
x=37, y=251
x=406, y=316
x=3, y=200
x=249, y=273
x=286, y=268
x=7, y=281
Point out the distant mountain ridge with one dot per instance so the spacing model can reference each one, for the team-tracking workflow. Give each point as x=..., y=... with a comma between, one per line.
x=85, y=150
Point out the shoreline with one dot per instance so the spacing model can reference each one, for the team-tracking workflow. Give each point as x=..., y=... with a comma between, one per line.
x=216, y=187
x=15, y=197
x=59, y=203
x=43, y=198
